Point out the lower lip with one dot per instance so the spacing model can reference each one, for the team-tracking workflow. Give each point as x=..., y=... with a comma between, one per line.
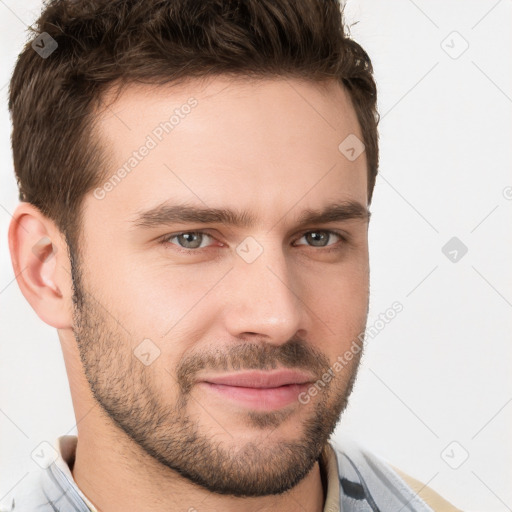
x=266, y=399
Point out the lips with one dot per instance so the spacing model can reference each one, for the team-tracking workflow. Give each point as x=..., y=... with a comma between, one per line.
x=261, y=379
x=258, y=390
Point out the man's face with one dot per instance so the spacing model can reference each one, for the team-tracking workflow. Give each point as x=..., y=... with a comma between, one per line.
x=164, y=304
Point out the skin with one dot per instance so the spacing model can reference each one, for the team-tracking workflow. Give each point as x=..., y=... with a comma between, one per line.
x=151, y=438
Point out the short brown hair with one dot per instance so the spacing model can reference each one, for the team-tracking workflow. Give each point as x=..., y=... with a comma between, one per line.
x=101, y=43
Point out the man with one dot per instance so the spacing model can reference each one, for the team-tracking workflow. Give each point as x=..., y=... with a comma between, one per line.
x=195, y=179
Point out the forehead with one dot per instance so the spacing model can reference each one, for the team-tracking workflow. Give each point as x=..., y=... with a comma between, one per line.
x=259, y=145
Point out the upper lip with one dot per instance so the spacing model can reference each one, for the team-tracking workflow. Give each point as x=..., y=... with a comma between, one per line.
x=261, y=379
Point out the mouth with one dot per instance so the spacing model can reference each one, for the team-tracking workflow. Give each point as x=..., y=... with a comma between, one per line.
x=259, y=390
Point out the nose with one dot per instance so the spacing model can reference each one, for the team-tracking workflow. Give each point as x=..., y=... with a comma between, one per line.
x=263, y=298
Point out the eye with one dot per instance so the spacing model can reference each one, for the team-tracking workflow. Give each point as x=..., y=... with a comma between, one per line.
x=188, y=239
x=320, y=238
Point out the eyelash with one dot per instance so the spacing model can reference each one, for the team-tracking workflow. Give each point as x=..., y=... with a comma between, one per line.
x=333, y=247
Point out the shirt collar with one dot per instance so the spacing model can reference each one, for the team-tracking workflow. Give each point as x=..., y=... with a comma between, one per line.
x=66, y=447
x=329, y=463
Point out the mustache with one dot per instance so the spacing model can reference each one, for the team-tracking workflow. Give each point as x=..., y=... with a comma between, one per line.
x=294, y=354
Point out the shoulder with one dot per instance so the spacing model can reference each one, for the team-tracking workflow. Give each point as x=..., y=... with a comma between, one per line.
x=435, y=500
x=365, y=477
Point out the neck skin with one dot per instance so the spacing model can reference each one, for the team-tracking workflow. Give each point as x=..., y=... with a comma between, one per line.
x=116, y=475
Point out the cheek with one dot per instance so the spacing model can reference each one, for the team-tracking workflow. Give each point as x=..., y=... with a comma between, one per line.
x=339, y=300
x=166, y=303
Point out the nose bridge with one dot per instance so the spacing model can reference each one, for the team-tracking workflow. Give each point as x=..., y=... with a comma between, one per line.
x=264, y=300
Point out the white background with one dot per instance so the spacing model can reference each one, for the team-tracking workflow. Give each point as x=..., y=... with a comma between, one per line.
x=437, y=373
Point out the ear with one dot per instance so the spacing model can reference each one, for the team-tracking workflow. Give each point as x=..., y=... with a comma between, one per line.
x=41, y=265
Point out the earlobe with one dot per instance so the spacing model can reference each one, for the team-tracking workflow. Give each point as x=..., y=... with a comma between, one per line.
x=36, y=248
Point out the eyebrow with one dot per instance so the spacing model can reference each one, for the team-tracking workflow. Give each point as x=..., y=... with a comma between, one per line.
x=167, y=213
